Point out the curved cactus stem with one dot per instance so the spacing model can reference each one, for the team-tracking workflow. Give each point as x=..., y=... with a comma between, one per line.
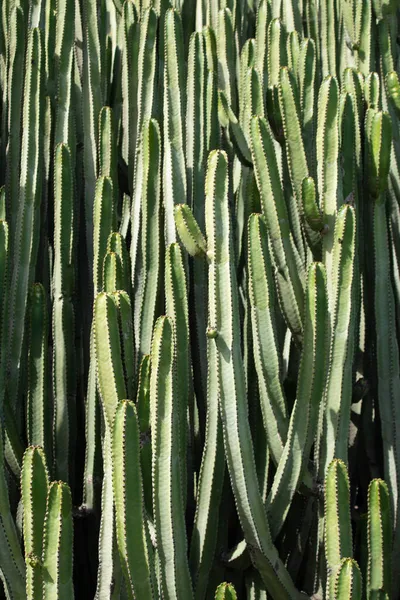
x=132, y=536
x=224, y=316
x=266, y=350
x=379, y=574
x=167, y=478
x=310, y=386
x=34, y=489
x=58, y=544
x=338, y=535
x=189, y=231
x=228, y=119
x=290, y=275
x=348, y=583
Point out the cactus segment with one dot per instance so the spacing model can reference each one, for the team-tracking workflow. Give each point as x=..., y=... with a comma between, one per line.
x=348, y=583
x=57, y=544
x=25, y=241
x=34, y=489
x=174, y=172
x=379, y=575
x=225, y=591
x=189, y=231
x=132, y=536
x=63, y=321
x=103, y=227
x=223, y=312
x=146, y=286
x=338, y=536
x=167, y=477
x=266, y=352
x=310, y=386
x=38, y=404
x=290, y=278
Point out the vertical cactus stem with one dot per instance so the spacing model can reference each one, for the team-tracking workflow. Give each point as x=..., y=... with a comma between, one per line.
x=34, y=489
x=168, y=505
x=348, y=582
x=264, y=16
x=174, y=172
x=58, y=544
x=116, y=243
x=112, y=273
x=379, y=574
x=15, y=96
x=329, y=36
x=25, y=241
x=224, y=315
x=338, y=535
x=290, y=273
x=63, y=76
x=63, y=322
x=203, y=544
x=266, y=351
x=103, y=220
x=38, y=405
x=123, y=302
x=290, y=109
x=4, y=262
x=303, y=421
x=307, y=78
x=108, y=152
x=131, y=528
x=110, y=373
x=92, y=102
x=338, y=386
x=327, y=145
x=226, y=53
x=147, y=276
x=176, y=296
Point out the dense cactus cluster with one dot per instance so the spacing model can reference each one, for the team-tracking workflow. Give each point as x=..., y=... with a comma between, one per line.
x=200, y=299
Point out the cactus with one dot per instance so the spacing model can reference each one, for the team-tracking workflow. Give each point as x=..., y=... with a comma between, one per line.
x=205, y=194
x=34, y=490
x=132, y=536
x=57, y=543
